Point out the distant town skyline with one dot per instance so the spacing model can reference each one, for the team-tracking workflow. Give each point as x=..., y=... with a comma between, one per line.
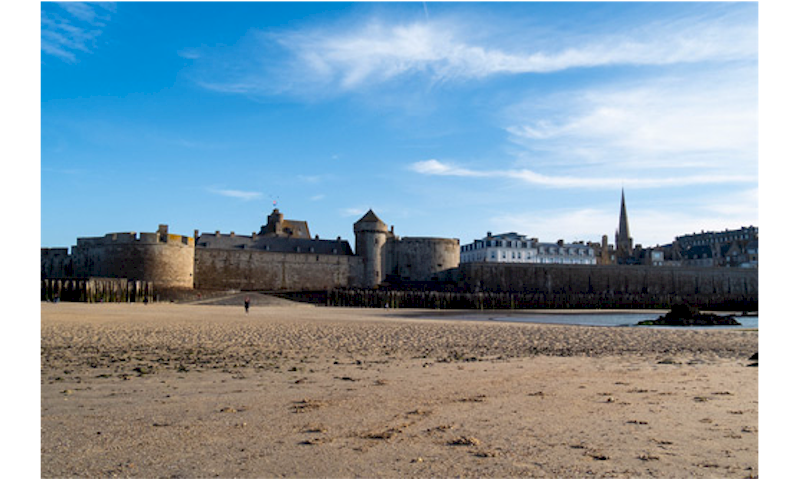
x=446, y=119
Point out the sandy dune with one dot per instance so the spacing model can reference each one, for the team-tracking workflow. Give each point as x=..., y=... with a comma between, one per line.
x=168, y=390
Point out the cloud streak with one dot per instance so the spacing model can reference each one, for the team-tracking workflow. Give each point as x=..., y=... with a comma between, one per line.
x=377, y=51
x=436, y=168
x=72, y=28
x=238, y=194
x=703, y=120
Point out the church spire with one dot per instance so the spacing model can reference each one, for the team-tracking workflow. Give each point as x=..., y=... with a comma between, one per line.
x=624, y=242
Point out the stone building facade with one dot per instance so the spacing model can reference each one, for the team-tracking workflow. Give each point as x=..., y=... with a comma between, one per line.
x=517, y=248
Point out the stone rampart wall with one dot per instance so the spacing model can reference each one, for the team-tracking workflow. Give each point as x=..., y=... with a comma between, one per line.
x=605, y=279
x=420, y=259
x=250, y=270
x=56, y=263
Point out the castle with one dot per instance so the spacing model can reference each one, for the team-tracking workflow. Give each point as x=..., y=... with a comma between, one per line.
x=281, y=256
x=284, y=256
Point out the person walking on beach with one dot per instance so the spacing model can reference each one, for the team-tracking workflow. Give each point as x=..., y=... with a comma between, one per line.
x=247, y=304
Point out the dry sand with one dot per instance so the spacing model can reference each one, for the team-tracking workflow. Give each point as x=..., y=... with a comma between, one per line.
x=169, y=390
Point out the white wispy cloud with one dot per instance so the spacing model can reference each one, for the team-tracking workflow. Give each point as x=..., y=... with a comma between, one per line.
x=189, y=53
x=72, y=28
x=239, y=194
x=378, y=50
x=82, y=11
x=312, y=179
x=682, y=130
x=437, y=168
x=353, y=211
x=702, y=120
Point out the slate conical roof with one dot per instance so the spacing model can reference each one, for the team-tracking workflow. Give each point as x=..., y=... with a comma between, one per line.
x=370, y=217
x=624, y=242
x=370, y=222
x=624, y=231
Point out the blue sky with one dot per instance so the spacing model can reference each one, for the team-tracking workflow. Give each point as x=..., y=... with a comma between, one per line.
x=447, y=119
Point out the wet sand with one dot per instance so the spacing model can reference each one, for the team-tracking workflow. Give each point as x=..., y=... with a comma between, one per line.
x=169, y=390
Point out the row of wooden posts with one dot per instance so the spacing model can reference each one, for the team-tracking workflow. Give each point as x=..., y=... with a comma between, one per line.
x=98, y=290
x=371, y=298
x=109, y=290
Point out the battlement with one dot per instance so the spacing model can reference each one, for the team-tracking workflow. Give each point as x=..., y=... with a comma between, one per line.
x=425, y=239
x=55, y=252
x=114, y=239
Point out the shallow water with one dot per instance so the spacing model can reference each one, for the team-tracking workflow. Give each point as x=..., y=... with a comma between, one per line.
x=600, y=319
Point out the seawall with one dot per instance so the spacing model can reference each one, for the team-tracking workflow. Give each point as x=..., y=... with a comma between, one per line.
x=610, y=286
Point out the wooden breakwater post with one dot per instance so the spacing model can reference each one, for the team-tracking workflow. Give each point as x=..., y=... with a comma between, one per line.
x=483, y=300
x=96, y=290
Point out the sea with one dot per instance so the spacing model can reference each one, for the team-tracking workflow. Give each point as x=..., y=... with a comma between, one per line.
x=609, y=319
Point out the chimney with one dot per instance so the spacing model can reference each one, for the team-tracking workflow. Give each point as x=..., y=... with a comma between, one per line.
x=163, y=231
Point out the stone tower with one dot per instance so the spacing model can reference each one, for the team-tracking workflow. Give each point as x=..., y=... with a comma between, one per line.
x=278, y=226
x=371, y=235
x=623, y=241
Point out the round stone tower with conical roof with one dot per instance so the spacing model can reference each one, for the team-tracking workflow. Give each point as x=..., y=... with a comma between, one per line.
x=371, y=235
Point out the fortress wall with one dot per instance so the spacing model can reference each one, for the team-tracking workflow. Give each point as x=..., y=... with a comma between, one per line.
x=166, y=261
x=56, y=263
x=614, y=280
x=269, y=271
x=420, y=259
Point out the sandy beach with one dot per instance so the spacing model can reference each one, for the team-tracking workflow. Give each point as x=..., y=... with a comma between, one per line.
x=291, y=390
